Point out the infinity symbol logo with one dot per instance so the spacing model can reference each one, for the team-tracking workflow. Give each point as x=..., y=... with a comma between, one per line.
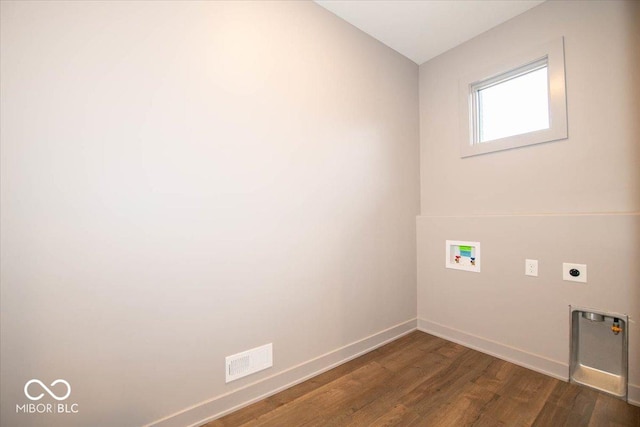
x=52, y=394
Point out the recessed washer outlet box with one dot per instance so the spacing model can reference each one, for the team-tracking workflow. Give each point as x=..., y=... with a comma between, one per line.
x=462, y=255
x=599, y=351
x=574, y=272
x=248, y=362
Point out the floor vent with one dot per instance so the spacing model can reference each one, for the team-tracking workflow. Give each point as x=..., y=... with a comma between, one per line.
x=248, y=362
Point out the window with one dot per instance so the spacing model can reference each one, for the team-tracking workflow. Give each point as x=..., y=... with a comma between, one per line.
x=512, y=104
x=520, y=103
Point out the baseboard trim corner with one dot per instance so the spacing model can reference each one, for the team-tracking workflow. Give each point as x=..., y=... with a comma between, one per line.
x=514, y=355
x=224, y=404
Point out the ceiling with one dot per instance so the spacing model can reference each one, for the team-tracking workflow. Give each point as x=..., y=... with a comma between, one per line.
x=423, y=29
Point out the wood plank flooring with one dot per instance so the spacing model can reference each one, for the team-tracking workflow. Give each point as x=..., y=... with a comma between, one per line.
x=422, y=380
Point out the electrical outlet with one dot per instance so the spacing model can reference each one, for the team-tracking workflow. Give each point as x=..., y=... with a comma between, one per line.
x=531, y=267
x=574, y=272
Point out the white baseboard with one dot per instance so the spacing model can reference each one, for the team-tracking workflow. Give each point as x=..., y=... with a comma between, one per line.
x=519, y=357
x=226, y=403
x=633, y=394
x=510, y=354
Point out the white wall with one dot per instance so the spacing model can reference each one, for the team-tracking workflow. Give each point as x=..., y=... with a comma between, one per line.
x=184, y=181
x=575, y=200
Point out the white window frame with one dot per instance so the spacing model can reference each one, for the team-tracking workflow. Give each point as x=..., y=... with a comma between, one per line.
x=553, y=54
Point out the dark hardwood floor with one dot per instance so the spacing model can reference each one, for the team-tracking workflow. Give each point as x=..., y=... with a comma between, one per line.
x=422, y=380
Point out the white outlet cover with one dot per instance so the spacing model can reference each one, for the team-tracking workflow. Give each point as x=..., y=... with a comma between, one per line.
x=567, y=267
x=531, y=267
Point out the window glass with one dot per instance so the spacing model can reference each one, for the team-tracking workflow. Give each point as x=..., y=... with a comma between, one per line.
x=514, y=106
